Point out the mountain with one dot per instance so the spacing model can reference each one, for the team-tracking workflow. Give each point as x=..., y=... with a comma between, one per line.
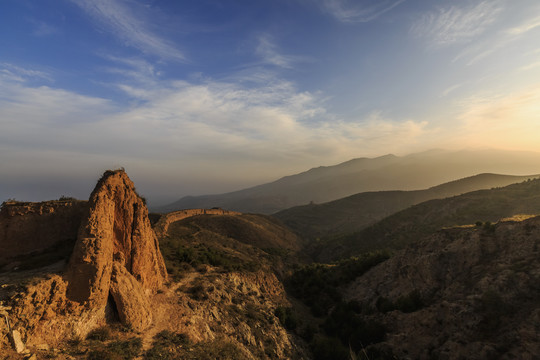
x=407, y=226
x=96, y=281
x=108, y=281
x=461, y=293
x=358, y=211
x=389, y=172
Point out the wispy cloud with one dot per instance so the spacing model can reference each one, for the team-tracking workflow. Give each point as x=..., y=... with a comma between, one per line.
x=205, y=128
x=12, y=72
x=457, y=24
x=269, y=52
x=525, y=27
x=42, y=29
x=349, y=11
x=123, y=23
x=451, y=89
x=507, y=119
x=480, y=51
x=530, y=66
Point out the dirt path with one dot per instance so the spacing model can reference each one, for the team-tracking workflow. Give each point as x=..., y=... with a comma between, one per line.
x=167, y=310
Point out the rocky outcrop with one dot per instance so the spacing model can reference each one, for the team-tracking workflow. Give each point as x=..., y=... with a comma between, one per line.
x=478, y=291
x=131, y=302
x=116, y=234
x=33, y=227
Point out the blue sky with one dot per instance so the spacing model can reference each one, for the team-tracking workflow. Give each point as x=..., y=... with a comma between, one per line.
x=206, y=96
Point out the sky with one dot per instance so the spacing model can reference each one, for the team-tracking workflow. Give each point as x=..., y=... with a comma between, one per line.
x=205, y=96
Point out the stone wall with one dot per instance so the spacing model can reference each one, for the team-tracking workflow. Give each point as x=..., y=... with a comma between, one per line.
x=33, y=227
x=162, y=225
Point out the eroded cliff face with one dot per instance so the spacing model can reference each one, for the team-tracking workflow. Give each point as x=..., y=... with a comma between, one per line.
x=113, y=275
x=479, y=292
x=33, y=227
x=116, y=249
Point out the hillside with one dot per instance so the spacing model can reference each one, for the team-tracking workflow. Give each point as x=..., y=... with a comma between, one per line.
x=232, y=242
x=398, y=230
x=389, y=172
x=102, y=284
x=358, y=211
x=466, y=293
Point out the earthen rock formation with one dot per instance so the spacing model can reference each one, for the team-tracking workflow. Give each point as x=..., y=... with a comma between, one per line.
x=33, y=227
x=116, y=234
x=479, y=292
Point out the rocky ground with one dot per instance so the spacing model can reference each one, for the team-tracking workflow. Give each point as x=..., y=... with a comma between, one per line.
x=470, y=293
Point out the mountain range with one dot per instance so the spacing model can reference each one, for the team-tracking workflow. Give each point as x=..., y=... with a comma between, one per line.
x=358, y=211
x=326, y=183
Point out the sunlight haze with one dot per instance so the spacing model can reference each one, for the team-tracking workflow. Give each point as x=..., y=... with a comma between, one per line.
x=196, y=97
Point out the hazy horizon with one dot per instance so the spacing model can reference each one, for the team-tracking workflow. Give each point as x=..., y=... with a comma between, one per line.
x=199, y=97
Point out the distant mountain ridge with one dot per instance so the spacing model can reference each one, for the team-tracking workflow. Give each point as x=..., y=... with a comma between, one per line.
x=389, y=172
x=416, y=222
x=358, y=211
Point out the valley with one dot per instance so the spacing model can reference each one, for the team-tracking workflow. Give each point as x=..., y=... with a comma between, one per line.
x=447, y=272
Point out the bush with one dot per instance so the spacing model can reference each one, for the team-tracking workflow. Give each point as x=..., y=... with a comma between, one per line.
x=316, y=284
x=489, y=227
x=287, y=317
x=169, y=346
x=126, y=349
x=347, y=324
x=99, y=334
x=166, y=345
x=327, y=348
x=493, y=308
x=405, y=303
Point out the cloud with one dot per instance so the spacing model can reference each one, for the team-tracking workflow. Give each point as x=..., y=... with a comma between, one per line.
x=503, y=38
x=451, y=89
x=43, y=29
x=525, y=27
x=188, y=132
x=269, y=53
x=10, y=72
x=124, y=24
x=455, y=25
x=348, y=11
x=506, y=120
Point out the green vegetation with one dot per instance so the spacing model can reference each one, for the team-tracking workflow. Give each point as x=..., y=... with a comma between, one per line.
x=169, y=346
x=118, y=350
x=346, y=323
x=493, y=309
x=287, y=317
x=104, y=342
x=166, y=345
x=102, y=333
x=317, y=284
x=406, y=303
x=180, y=257
x=345, y=326
x=66, y=198
x=356, y=212
x=417, y=222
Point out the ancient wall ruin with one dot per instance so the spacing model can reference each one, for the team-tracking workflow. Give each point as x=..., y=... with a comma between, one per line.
x=33, y=227
x=165, y=220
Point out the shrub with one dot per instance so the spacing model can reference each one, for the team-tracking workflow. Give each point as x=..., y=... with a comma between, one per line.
x=287, y=317
x=347, y=324
x=493, y=308
x=166, y=345
x=316, y=284
x=99, y=334
x=405, y=303
x=126, y=349
x=489, y=227
x=328, y=348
